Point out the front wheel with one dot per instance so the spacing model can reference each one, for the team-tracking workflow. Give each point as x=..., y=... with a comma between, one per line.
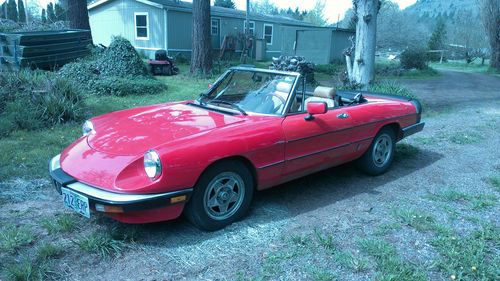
x=222, y=196
x=378, y=158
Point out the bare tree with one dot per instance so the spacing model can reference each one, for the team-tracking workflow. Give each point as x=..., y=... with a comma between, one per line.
x=78, y=15
x=490, y=13
x=201, y=60
x=363, y=69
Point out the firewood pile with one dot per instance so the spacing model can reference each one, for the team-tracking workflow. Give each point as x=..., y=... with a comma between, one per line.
x=294, y=64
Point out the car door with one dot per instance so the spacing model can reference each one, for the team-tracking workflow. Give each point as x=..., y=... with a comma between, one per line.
x=318, y=143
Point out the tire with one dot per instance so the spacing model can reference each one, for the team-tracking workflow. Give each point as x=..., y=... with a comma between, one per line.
x=378, y=158
x=167, y=70
x=211, y=206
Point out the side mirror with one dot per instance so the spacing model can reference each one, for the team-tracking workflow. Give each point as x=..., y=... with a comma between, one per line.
x=314, y=108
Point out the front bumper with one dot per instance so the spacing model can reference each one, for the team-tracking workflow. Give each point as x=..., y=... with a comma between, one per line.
x=101, y=200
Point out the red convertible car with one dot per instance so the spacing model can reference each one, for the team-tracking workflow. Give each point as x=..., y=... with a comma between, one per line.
x=251, y=130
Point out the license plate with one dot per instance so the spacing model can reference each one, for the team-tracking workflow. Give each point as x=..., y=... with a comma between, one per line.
x=76, y=202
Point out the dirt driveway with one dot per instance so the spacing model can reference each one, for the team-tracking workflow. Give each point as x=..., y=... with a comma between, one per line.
x=334, y=225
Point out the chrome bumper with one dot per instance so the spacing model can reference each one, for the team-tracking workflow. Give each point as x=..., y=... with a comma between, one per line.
x=129, y=202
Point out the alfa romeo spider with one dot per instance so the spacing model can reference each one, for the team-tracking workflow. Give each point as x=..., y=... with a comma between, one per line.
x=251, y=130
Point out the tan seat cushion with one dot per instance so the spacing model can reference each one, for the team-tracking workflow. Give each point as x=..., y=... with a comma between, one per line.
x=324, y=92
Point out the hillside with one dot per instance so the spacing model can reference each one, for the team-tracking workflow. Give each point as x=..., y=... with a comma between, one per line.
x=445, y=8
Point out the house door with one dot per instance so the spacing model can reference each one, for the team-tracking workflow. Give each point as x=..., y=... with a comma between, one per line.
x=215, y=33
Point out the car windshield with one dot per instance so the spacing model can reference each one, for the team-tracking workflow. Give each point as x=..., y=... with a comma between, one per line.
x=251, y=92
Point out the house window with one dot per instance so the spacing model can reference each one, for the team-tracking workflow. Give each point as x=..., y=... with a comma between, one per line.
x=215, y=27
x=268, y=33
x=251, y=27
x=141, y=26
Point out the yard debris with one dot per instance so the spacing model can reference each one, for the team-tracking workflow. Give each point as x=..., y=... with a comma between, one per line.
x=296, y=64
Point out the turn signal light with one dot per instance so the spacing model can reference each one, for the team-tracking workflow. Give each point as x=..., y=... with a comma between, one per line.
x=108, y=209
x=178, y=199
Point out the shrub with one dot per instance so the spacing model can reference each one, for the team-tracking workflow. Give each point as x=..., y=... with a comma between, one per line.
x=118, y=86
x=414, y=58
x=117, y=70
x=36, y=99
x=121, y=59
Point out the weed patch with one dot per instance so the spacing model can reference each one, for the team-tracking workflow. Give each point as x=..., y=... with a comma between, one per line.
x=63, y=223
x=389, y=265
x=471, y=257
x=352, y=262
x=476, y=201
x=13, y=237
x=421, y=221
x=29, y=270
x=49, y=251
x=101, y=244
x=465, y=138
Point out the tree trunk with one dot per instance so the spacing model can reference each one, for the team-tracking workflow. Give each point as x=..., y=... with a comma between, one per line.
x=366, y=30
x=490, y=13
x=201, y=60
x=78, y=15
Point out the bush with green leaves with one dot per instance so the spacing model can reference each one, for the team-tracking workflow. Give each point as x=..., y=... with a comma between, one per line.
x=414, y=58
x=117, y=70
x=35, y=99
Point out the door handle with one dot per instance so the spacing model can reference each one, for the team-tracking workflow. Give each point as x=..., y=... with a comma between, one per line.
x=342, y=115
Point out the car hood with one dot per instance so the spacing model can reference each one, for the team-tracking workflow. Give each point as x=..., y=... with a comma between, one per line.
x=135, y=131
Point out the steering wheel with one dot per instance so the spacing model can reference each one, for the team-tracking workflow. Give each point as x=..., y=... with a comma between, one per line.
x=282, y=100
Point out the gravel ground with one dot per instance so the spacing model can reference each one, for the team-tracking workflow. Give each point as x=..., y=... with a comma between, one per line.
x=304, y=229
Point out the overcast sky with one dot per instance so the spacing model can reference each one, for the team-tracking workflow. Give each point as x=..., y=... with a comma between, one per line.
x=333, y=9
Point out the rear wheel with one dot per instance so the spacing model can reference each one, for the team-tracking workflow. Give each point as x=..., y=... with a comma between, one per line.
x=378, y=158
x=167, y=70
x=222, y=196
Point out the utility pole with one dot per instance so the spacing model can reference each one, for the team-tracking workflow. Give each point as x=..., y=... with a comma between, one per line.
x=247, y=28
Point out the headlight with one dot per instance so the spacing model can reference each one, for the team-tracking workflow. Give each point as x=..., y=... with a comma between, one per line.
x=152, y=164
x=87, y=128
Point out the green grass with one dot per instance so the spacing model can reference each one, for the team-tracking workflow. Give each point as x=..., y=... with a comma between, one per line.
x=14, y=237
x=463, y=138
x=325, y=241
x=321, y=274
x=389, y=265
x=352, y=262
x=475, y=201
x=471, y=257
x=100, y=243
x=48, y=251
x=462, y=66
x=28, y=270
x=495, y=182
x=39, y=146
x=63, y=223
x=419, y=220
x=406, y=150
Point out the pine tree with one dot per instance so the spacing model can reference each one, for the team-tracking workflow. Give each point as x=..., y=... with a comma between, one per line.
x=51, y=16
x=21, y=10
x=3, y=14
x=12, y=10
x=60, y=13
x=436, y=42
x=225, y=4
x=44, y=16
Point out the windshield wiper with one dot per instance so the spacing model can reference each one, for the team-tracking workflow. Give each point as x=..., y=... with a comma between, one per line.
x=237, y=107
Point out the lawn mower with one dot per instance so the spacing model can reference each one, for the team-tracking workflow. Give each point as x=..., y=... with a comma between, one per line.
x=162, y=64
